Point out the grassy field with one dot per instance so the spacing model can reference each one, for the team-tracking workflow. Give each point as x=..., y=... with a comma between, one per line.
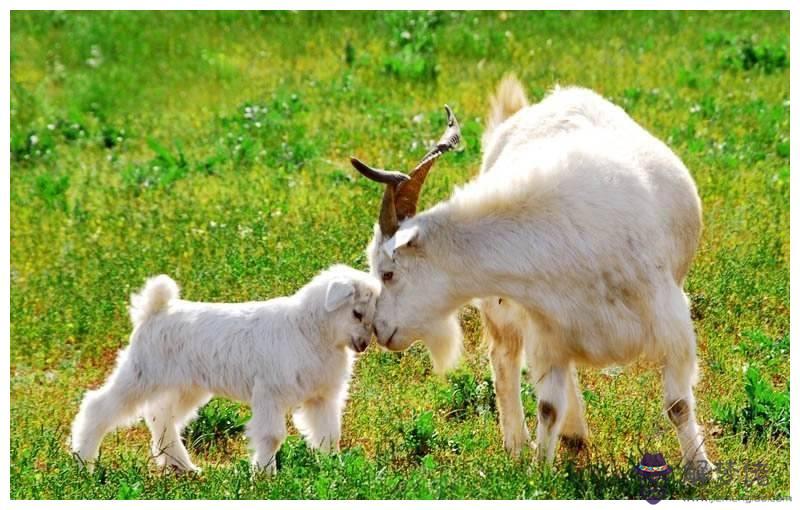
x=214, y=146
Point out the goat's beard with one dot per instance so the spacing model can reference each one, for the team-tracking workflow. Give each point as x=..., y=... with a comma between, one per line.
x=444, y=340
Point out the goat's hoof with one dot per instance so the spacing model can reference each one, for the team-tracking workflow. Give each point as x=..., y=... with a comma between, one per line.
x=180, y=469
x=515, y=446
x=191, y=469
x=544, y=456
x=575, y=444
x=264, y=470
x=83, y=464
x=177, y=466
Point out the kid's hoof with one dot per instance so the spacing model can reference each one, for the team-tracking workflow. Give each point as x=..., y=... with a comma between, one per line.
x=83, y=465
x=177, y=466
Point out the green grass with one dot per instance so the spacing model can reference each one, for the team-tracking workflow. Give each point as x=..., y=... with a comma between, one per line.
x=213, y=147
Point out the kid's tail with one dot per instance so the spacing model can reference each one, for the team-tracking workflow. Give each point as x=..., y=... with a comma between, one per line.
x=158, y=291
x=508, y=100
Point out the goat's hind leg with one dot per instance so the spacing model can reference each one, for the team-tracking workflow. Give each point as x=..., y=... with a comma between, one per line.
x=551, y=390
x=574, y=431
x=165, y=417
x=111, y=405
x=679, y=374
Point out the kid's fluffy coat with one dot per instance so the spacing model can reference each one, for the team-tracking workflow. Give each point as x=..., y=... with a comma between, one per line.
x=286, y=354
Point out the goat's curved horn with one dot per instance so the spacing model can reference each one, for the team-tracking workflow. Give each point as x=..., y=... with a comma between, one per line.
x=408, y=192
x=387, y=219
x=449, y=140
x=377, y=174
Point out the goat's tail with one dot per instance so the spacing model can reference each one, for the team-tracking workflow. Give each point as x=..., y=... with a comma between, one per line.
x=508, y=100
x=158, y=291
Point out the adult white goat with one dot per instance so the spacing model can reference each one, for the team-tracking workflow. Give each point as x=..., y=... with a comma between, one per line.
x=584, y=223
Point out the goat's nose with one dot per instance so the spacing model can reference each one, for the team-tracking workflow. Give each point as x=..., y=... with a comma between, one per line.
x=377, y=327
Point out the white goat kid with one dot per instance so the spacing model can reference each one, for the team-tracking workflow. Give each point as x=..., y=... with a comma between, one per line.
x=585, y=223
x=290, y=353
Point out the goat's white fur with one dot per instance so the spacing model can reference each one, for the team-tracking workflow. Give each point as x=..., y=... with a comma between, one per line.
x=286, y=354
x=586, y=225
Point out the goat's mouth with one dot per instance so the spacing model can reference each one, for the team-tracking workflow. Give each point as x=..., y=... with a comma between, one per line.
x=388, y=343
x=358, y=345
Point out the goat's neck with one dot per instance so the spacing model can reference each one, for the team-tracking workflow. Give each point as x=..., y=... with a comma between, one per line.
x=477, y=255
x=307, y=314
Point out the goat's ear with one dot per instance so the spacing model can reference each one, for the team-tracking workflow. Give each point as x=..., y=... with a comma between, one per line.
x=405, y=237
x=338, y=293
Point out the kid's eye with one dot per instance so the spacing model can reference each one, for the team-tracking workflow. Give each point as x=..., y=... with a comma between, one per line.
x=357, y=315
x=387, y=277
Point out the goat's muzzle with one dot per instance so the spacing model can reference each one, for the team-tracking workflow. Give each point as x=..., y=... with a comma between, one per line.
x=359, y=344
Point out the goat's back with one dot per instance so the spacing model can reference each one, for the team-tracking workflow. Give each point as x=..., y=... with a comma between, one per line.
x=585, y=135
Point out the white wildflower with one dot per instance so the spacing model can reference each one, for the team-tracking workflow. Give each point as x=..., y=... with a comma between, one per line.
x=244, y=231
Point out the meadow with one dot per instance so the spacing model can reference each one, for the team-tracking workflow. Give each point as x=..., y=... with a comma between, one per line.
x=214, y=147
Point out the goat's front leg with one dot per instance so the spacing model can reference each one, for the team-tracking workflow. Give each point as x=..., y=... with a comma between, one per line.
x=320, y=422
x=505, y=351
x=266, y=431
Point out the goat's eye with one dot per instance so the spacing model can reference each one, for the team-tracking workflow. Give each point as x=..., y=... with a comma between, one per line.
x=358, y=315
x=387, y=276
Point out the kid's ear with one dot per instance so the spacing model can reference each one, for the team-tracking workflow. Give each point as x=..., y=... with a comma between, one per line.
x=403, y=237
x=339, y=292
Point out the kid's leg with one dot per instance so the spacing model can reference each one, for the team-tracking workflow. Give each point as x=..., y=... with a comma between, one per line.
x=116, y=402
x=320, y=422
x=266, y=431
